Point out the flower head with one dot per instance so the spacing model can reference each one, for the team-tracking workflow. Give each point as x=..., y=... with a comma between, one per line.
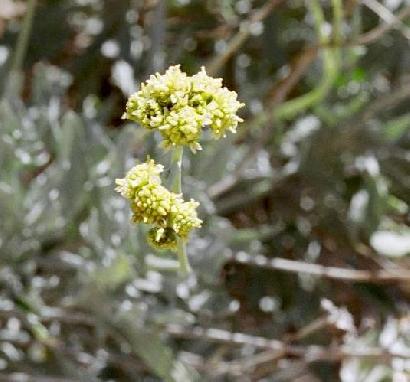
x=180, y=107
x=151, y=203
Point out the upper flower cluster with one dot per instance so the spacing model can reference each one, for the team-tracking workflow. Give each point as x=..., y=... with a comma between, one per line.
x=180, y=106
x=152, y=203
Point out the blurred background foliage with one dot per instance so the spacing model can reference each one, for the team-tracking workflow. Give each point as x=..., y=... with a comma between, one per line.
x=301, y=270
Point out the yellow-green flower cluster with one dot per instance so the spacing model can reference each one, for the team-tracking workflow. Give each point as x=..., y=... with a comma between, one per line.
x=151, y=203
x=180, y=106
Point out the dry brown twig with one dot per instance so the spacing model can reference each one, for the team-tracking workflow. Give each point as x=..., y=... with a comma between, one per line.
x=310, y=353
x=389, y=17
x=243, y=34
x=376, y=33
x=334, y=273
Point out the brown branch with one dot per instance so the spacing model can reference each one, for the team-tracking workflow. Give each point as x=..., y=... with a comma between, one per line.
x=244, y=32
x=388, y=100
x=386, y=15
x=298, y=68
x=376, y=33
x=334, y=273
x=222, y=336
x=310, y=353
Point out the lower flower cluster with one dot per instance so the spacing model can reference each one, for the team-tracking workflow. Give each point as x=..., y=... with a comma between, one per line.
x=151, y=203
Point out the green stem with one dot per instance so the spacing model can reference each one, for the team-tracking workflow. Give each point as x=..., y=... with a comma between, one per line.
x=176, y=164
x=337, y=21
x=23, y=38
x=290, y=109
x=176, y=168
